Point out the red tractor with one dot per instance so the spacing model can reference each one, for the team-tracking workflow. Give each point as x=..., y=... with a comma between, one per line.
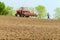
x=24, y=13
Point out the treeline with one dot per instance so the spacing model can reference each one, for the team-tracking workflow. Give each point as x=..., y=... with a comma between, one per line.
x=40, y=10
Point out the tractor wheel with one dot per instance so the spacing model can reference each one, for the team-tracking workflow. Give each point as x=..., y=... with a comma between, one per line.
x=15, y=14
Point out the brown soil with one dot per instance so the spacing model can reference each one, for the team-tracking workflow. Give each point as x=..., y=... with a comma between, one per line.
x=17, y=28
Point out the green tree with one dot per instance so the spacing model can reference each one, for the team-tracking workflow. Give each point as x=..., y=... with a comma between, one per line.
x=41, y=11
x=57, y=13
x=8, y=11
x=2, y=6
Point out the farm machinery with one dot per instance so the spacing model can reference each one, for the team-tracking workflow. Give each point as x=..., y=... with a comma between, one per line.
x=24, y=13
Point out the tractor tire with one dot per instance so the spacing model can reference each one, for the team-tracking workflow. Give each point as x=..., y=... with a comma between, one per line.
x=16, y=15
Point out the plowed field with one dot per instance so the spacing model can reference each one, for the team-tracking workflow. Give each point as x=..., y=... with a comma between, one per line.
x=17, y=28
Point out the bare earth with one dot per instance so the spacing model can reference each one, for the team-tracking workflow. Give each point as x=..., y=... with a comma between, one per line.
x=17, y=28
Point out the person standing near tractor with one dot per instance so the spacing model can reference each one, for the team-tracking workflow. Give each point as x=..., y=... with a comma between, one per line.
x=48, y=15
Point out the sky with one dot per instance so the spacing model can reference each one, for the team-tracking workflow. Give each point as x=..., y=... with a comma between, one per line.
x=49, y=4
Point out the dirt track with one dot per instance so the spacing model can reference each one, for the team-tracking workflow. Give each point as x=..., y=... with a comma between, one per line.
x=16, y=28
